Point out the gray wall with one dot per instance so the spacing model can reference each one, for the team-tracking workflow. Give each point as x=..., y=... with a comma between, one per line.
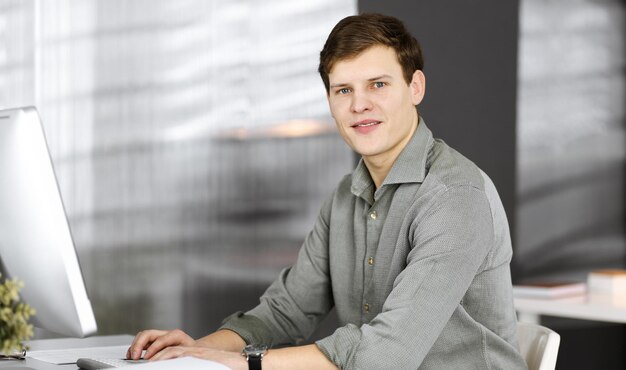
x=571, y=135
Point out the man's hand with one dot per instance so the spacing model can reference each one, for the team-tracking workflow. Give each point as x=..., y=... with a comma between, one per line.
x=154, y=341
x=233, y=360
x=224, y=346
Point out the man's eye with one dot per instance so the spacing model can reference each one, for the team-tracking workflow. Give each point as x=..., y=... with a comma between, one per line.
x=345, y=90
x=379, y=84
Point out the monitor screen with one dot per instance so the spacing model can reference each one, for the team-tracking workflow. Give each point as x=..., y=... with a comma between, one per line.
x=36, y=245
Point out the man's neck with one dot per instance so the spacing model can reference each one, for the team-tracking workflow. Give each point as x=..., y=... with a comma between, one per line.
x=380, y=165
x=379, y=168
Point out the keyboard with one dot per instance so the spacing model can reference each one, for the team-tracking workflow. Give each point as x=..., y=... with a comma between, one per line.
x=104, y=363
x=71, y=355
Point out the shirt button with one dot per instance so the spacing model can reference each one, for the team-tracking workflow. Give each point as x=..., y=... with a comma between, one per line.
x=373, y=215
x=370, y=261
x=366, y=307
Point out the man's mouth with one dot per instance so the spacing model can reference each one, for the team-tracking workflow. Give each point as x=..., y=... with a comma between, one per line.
x=366, y=123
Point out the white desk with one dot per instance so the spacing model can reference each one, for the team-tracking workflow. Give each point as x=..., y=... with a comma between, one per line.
x=64, y=343
x=579, y=307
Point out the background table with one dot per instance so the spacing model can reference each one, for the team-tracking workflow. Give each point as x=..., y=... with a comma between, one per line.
x=580, y=307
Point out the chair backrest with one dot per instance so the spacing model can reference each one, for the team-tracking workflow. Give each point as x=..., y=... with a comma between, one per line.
x=539, y=346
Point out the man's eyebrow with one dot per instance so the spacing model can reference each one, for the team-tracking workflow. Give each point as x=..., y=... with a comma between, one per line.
x=343, y=84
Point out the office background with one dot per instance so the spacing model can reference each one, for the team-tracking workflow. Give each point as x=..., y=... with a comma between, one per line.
x=193, y=144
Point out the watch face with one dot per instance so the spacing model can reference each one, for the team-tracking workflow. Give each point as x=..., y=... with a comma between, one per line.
x=254, y=350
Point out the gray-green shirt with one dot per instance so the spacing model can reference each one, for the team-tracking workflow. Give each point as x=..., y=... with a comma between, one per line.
x=418, y=270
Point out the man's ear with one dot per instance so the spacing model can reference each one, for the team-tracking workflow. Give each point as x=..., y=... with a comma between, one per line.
x=418, y=87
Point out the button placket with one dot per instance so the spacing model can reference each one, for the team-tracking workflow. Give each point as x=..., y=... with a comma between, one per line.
x=373, y=226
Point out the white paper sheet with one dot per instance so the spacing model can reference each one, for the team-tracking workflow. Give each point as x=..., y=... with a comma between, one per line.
x=186, y=363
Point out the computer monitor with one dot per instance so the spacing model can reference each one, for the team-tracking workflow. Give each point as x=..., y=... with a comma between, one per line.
x=36, y=244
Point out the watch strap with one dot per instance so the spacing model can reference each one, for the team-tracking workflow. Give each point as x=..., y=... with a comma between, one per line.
x=254, y=362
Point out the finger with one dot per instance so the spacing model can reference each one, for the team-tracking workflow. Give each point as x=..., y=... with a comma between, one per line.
x=141, y=341
x=171, y=338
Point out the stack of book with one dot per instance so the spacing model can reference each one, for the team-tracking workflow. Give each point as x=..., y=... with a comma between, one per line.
x=607, y=286
x=548, y=290
x=607, y=282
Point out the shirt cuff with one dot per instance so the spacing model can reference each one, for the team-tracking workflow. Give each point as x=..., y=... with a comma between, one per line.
x=250, y=328
x=341, y=346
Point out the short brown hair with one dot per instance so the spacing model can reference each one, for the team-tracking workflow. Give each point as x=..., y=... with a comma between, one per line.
x=354, y=34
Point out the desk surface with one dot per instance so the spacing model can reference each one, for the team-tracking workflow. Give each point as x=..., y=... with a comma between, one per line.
x=580, y=307
x=64, y=343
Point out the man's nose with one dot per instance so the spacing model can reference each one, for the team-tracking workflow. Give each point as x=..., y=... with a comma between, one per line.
x=360, y=102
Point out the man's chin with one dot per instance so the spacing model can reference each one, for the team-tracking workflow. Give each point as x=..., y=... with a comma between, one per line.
x=369, y=153
x=365, y=149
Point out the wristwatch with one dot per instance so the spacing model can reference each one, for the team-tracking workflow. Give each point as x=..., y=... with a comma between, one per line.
x=254, y=354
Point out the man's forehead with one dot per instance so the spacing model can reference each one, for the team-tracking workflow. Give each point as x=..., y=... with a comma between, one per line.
x=373, y=62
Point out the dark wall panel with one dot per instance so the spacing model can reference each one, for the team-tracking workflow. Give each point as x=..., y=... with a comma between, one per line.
x=470, y=52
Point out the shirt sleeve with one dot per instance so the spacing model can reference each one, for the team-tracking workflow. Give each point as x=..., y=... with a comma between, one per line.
x=449, y=243
x=292, y=307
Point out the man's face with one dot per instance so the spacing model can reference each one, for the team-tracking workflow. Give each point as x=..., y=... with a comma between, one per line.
x=372, y=104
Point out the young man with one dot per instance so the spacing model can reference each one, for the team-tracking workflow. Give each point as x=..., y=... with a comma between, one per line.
x=412, y=248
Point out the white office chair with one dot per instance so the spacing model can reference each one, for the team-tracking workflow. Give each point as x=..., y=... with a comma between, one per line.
x=539, y=346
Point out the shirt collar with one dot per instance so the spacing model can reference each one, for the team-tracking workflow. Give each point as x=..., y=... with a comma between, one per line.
x=409, y=167
x=362, y=183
